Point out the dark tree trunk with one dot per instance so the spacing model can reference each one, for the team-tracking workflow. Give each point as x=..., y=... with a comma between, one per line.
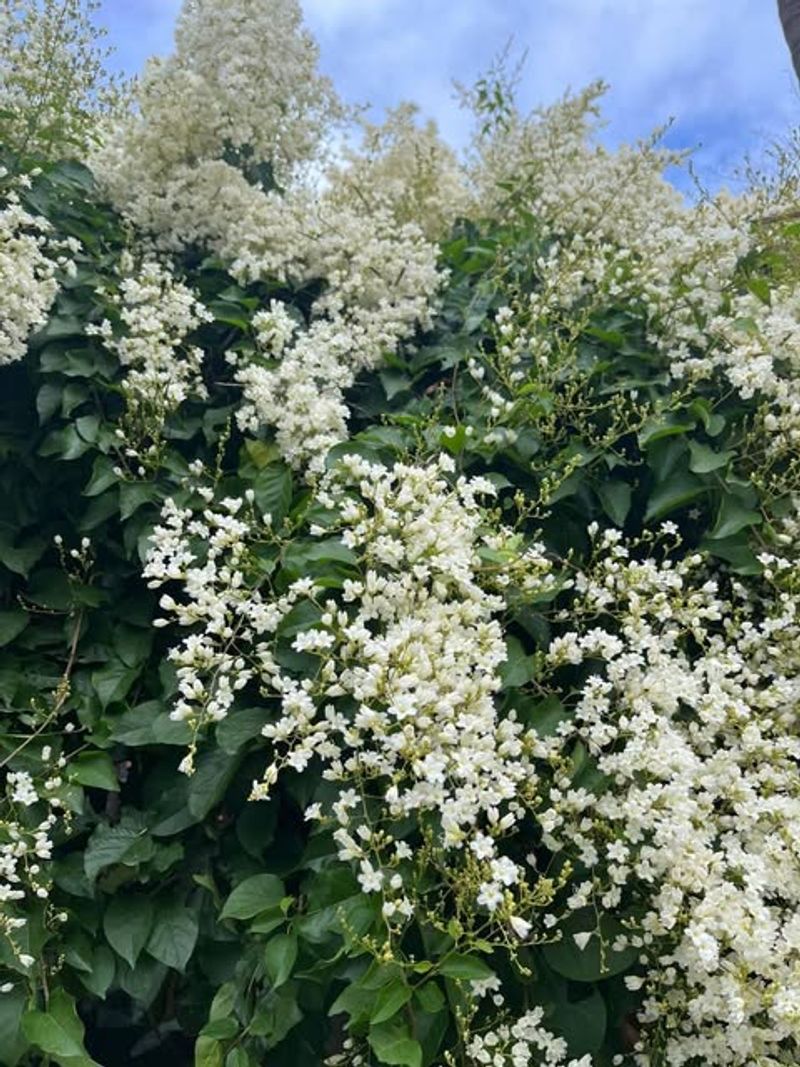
x=789, y=11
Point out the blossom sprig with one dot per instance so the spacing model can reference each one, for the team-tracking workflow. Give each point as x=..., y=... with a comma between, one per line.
x=32, y=261
x=157, y=314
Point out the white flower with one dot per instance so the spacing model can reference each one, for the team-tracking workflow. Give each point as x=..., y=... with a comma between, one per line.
x=370, y=880
x=490, y=896
x=520, y=926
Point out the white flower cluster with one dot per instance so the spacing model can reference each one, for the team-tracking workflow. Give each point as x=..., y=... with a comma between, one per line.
x=29, y=270
x=209, y=555
x=242, y=81
x=621, y=230
x=688, y=716
x=407, y=169
x=157, y=313
x=523, y=1043
x=54, y=86
x=242, y=91
x=691, y=714
x=756, y=347
x=409, y=663
x=380, y=280
x=26, y=847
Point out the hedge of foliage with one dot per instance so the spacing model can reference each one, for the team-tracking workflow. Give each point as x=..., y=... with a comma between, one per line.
x=399, y=640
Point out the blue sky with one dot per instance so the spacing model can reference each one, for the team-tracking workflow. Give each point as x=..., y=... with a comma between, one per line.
x=718, y=68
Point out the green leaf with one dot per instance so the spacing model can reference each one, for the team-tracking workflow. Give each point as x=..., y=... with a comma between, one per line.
x=279, y=958
x=20, y=560
x=303, y=616
x=268, y=921
x=454, y=442
x=260, y=453
x=174, y=935
x=392, y=1043
x=215, y=769
x=518, y=666
x=48, y=401
x=135, y=726
x=65, y=443
x=713, y=422
x=58, y=328
x=134, y=495
x=276, y=1016
x=597, y=960
x=127, y=924
x=390, y=999
x=660, y=426
x=465, y=968
x=132, y=643
x=51, y=588
x=394, y=382
x=273, y=490
x=88, y=427
x=128, y=842
x=237, y=1057
x=94, y=769
x=144, y=981
x=705, y=459
x=676, y=492
x=252, y=896
x=736, y=551
x=430, y=998
x=545, y=716
x=103, y=477
x=224, y=1001
x=149, y=724
x=208, y=1052
x=101, y=975
x=615, y=498
x=58, y=1032
x=78, y=950
x=299, y=557
x=112, y=681
x=12, y=623
x=12, y=1042
x=582, y=1022
x=732, y=517
x=760, y=288
x=239, y=727
x=220, y=1029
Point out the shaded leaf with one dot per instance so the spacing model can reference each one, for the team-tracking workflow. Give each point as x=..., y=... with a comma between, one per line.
x=12, y=623
x=616, y=500
x=392, y=1043
x=127, y=923
x=58, y=1032
x=128, y=842
x=465, y=968
x=597, y=959
x=279, y=958
x=676, y=492
x=174, y=935
x=253, y=896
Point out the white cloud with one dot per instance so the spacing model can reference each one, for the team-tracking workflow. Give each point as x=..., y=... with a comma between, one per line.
x=719, y=67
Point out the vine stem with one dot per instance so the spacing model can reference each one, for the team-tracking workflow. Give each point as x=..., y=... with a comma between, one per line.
x=61, y=697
